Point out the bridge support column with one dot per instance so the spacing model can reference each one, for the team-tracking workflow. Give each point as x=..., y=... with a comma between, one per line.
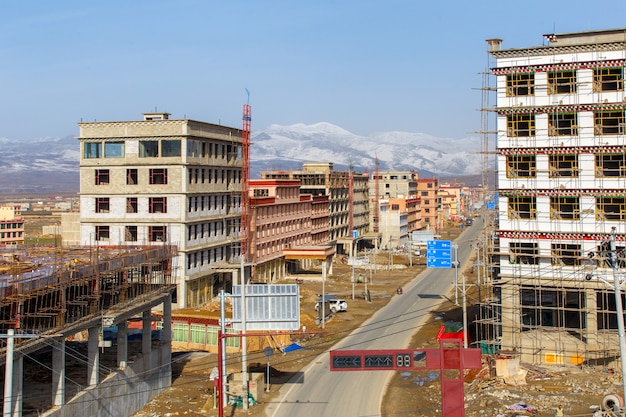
x=122, y=345
x=93, y=357
x=58, y=371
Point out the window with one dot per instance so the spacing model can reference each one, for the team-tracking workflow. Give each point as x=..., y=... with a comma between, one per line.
x=113, y=149
x=608, y=79
x=563, y=166
x=566, y=254
x=563, y=124
x=157, y=204
x=608, y=122
x=158, y=176
x=524, y=253
x=157, y=233
x=520, y=125
x=520, y=166
x=611, y=208
x=549, y=307
x=148, y=148
x=170, y=148
x=130, y=234
x=102, y=205
x=102, y=232
x=522, y=207
x=520, y=84
x=92, y=150
x=131, y=176
x=564, y=208
x=264, y=192
x=395, y=207
x=102, y=176
x=131, y=205
x=611, y=165
x=561, y=82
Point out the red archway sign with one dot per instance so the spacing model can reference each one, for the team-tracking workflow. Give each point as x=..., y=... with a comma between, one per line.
x=451, y=358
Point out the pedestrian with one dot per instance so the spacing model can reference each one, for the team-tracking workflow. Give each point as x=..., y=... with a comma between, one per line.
x=558, y=412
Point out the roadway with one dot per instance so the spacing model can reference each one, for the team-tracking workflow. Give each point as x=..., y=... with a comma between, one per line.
x=317, y=392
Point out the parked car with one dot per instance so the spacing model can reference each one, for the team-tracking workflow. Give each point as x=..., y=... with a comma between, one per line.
x=335, y=305
x=469, y=222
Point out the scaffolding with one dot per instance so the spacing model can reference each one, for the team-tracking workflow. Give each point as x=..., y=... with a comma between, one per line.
x=45, y=288
x=560, y=190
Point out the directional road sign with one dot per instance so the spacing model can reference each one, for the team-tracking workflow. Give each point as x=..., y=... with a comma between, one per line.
x=439, y=254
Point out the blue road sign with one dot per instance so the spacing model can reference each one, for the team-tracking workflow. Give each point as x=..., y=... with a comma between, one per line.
x=438, y=263
x=439, y=254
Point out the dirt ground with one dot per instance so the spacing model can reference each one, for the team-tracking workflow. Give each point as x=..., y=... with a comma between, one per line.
x=415, y=393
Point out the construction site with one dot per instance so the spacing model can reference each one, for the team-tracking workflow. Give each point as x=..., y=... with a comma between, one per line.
x=551, y=258
x=52, y=296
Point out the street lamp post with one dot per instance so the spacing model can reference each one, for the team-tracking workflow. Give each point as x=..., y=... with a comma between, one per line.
x=617, y=283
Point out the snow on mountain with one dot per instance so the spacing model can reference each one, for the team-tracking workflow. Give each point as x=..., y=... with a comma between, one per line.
x=395, y=150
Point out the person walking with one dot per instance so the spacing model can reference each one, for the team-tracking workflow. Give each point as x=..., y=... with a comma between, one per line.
x=558, y=412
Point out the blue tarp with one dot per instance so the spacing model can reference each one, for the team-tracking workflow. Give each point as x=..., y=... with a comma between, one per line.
x=292, y=347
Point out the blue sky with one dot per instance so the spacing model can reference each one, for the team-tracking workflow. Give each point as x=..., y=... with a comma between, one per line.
x=366, y=66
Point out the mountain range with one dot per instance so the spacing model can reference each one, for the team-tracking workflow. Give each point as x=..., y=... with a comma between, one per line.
x=50, y=165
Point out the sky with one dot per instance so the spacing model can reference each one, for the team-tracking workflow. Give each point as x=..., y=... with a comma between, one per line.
x=366, y=66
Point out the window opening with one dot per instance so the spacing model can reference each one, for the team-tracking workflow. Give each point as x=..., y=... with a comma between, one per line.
x=525, y=253
x=520, y=125
x=102, y=205
x=608, y=79
x=158, y=176
x=564, y=208
x=157, y=205
x=563, y=165
x=561, y=82
x=563, y=124
x=131, y=233
x=148, y=148
x=611, y=208
x=608, y=122
x=566, y=254
x=131, y=176
x=102, y=176
x=611, y=165
x=521, y=166
x=520, y=84
x=131, y=205
x=522, y=207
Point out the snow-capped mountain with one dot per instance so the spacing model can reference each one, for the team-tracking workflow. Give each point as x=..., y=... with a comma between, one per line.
x=280, y=147
x=51, y=164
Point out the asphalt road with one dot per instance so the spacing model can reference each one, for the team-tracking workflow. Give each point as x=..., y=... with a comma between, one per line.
x=318, y=392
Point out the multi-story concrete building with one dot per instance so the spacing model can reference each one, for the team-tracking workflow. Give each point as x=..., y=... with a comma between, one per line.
x=428, y=189
x=562, y=199
x=394, y=223
x=160, y=180
x=280, y=218
x=392, y=184
x=11, y=226
x=348, y=211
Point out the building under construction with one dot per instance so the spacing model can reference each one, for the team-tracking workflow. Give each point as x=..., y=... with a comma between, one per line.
x=52, y=295
x=555, y=257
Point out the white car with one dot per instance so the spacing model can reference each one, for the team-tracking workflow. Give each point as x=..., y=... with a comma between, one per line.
x=335, y=305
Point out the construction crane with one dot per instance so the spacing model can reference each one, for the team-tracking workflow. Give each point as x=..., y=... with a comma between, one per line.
x=245, y=177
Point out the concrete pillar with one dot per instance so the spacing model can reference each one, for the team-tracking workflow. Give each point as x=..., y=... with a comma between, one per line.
x=591, y=315
x=167, y=320
x=146, y=332
x=122, y=345
x=18, y=385
x=93, y=356
x=58, y=371
x=510, y=316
